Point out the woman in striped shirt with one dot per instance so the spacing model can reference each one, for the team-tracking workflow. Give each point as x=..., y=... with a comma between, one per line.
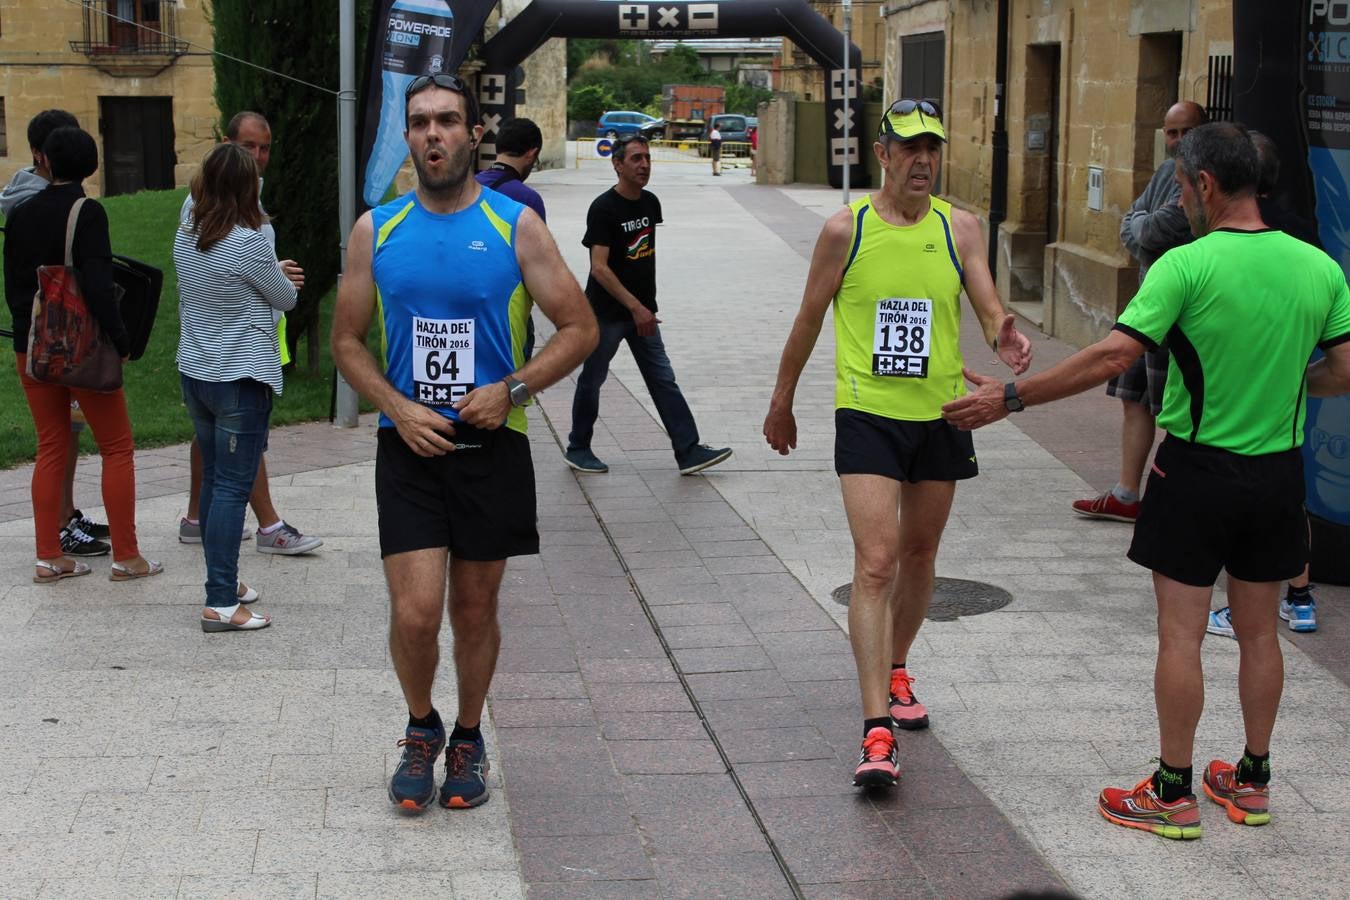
x=229, y=282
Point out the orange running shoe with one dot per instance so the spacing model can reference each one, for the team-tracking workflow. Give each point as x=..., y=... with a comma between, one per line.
x=906, y=712
x=879, y=762
x=1246, y=804
x=1142, y=808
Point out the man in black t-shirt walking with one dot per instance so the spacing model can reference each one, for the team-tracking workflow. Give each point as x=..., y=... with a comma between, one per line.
x=621, y=235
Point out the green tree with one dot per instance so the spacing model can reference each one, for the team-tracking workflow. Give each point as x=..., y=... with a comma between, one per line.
x=588, y=101
x=579, y=50
x=683, y=66
x=298, y=38
x=746, y=98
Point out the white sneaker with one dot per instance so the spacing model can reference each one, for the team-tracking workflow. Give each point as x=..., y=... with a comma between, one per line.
x=287, y=541
x=1221, y=623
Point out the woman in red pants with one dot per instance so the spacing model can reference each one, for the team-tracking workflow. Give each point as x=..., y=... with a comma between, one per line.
x=36, y=236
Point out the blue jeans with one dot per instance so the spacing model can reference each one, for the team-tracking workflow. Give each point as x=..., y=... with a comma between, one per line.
x=230, y=418
x=650, y=355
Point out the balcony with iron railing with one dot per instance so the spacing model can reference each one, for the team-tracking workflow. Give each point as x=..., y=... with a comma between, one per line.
x=130, y=37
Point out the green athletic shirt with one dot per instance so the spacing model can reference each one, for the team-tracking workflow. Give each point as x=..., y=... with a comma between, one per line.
x=1241, y=312
x=897, y=316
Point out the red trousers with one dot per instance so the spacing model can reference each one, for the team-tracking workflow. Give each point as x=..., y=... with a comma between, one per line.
x=107, y=417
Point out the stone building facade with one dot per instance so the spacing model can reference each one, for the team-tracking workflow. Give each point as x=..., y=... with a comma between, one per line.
x=545, y=88
x=797, y=73
x=1088, y=84
x=144, y=93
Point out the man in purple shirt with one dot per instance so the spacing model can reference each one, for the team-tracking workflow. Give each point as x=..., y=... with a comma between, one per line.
x=518, y=144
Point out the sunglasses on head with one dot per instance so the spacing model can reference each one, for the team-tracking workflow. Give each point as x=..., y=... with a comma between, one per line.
x=927, y=107
x=904, y=108
x=440, y=79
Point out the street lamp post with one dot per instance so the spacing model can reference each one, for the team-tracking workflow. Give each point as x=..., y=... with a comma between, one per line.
x=848, y=72
x=347, y=405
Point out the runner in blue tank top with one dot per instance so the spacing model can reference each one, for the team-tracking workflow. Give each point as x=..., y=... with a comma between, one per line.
x=452, y=271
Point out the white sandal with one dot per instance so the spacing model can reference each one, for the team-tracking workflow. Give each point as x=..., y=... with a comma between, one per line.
x=120, y=572
x=224, y=623
x=57, y=573
x=249, y=594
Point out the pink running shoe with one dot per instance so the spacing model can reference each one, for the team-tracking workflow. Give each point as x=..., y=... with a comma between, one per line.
x=879, y=762
x=906, y=712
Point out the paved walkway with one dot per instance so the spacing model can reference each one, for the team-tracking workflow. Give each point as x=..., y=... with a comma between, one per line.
x=675, y=712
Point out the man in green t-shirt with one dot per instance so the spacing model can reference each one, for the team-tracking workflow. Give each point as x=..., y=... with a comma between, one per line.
x=1241, y=308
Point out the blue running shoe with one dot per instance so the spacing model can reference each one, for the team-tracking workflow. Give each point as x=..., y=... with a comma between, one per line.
x=466, y=769
x=1302, y=617
x=413, y=786
x=1221, y=623
x=585, y=461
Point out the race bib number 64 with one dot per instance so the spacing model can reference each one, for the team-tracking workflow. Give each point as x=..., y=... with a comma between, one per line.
x=903, y=337
x=442, y=360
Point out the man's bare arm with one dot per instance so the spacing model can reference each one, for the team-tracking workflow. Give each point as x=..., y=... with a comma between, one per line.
x=423, y=430
x=610, y=281
x=559, y=297
x=1087, y=368
x=999, y=325
x=645, y=320
x=822, y=283
x=1330, y=375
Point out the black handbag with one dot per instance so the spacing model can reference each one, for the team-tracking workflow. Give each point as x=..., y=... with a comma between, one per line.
x=141, y=285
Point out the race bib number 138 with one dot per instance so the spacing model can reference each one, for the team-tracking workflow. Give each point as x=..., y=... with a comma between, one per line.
x=442, y=360
x=903, y=337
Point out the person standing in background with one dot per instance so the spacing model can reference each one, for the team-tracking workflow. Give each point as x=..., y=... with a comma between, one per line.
x=250, y=131
x=80, y=536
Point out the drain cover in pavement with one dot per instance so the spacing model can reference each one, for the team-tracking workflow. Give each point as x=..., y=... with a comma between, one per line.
x=952, y=598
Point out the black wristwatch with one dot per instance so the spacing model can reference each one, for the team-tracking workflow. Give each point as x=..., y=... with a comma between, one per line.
x=520, y=394
x=1011, y=400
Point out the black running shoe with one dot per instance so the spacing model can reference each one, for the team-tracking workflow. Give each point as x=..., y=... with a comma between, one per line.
x=75, y=542
x=88, y=526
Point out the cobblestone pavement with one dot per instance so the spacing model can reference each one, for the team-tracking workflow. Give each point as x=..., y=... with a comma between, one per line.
x=675, y=712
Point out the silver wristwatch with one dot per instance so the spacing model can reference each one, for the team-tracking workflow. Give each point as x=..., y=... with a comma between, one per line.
x=520, y=394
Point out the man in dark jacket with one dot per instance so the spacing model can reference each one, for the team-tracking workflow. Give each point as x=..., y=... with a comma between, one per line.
x=1154, y=224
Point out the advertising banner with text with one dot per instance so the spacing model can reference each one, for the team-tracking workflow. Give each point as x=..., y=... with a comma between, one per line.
x=408, y=38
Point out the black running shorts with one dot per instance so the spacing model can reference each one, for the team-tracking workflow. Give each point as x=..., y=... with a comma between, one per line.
x=478, y=502
x=867, y=444
x=1208, y=509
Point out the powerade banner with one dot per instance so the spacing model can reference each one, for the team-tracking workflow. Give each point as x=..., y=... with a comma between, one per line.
x=408, y=38
x=1325, y=70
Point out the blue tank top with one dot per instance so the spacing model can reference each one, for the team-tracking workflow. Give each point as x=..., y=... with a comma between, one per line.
x=452, y=306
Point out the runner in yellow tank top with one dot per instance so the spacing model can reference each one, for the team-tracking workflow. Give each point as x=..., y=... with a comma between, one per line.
x=894, y=264
x=896, y=349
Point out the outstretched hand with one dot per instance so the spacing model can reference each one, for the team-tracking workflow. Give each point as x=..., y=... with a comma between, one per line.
x=1014, y=348
x=979, y=407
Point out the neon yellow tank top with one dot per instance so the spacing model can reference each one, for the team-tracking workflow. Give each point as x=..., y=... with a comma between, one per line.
x=897, y=316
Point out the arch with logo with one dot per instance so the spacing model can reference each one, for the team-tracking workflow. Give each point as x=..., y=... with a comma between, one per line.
x=793, y=19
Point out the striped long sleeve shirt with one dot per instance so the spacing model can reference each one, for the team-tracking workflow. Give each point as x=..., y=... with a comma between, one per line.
x=226, y=299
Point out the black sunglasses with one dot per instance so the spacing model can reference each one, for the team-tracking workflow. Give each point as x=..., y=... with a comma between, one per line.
x=440, y=79
x=927, y=107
